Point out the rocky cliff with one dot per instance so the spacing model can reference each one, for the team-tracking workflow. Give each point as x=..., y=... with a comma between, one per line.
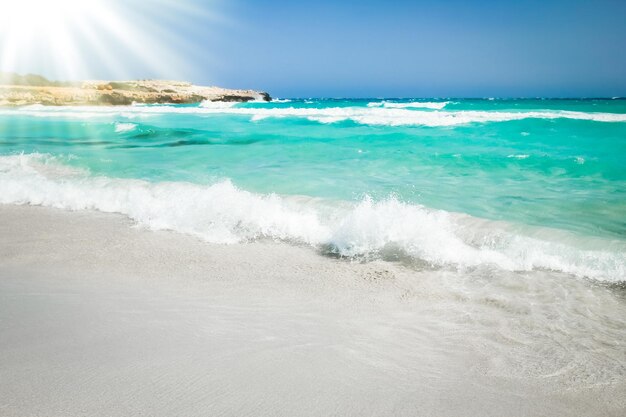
x=17, y=90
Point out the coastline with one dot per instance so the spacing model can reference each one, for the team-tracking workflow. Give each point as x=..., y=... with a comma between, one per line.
x=16, y=90
x=100, y=317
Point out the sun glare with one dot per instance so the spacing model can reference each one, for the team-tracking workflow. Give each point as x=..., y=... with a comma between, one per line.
x=70, y=39
x=43, y=13
x=30, y=29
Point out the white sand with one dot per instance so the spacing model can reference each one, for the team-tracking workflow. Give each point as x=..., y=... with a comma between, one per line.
x=99, y=318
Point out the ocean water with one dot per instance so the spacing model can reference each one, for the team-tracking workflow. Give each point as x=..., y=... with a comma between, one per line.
x=512, y=185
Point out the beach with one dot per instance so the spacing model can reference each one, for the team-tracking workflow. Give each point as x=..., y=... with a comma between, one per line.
x=101, y=317
x=306, y=209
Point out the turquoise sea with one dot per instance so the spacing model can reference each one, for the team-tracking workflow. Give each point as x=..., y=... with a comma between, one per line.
x=515, y=184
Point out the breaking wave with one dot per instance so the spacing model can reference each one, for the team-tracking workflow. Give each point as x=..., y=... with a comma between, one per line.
x=382, y=115
x=206, y=104
x=223, y=213
x=124, y=127
x=411, y=105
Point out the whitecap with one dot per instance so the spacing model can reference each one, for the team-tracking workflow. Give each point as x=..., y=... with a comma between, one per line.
x=362, y=115
x=224, y=213
x=409, y=105
x=207, y=104
x=124, y=127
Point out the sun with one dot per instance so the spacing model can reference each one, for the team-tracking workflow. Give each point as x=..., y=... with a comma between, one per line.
x=73, y=39
x=38, y=28
x=41, y=12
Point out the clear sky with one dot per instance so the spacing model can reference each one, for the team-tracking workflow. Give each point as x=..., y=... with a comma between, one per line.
x=427, y=48
x=364, y=48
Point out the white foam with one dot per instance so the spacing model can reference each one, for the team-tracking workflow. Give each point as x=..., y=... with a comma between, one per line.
x=410, y=105
x=362, y=115
x=207, y=104
x=124, y=127
x=222, y=213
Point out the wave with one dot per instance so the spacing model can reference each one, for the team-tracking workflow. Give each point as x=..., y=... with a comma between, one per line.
x=223, y=213
x=361, y=115
x=207, y=104
x=410, y=105
x=519, y=156
x=124, y=127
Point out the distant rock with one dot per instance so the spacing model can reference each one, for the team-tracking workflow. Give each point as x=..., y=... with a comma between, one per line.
x=20, y=90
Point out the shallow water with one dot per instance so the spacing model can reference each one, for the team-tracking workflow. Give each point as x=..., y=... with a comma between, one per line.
x=259, y=327
x=520, y=185
x=485, y=239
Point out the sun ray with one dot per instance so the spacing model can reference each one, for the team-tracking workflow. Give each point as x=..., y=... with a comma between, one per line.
x=69, y=39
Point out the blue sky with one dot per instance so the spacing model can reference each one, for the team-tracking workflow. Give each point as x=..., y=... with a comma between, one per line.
x=375, y=48
x=425, y=48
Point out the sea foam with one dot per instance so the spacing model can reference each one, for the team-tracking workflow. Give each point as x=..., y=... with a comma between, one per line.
x=124, y=127
x=223, y=213
x=206, y=104
x=382, y=116
x=410, y=105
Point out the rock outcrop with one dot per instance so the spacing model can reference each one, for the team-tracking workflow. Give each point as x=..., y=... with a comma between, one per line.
x=17, y=90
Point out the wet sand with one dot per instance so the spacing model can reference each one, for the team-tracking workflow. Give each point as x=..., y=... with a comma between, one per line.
x=101, y=318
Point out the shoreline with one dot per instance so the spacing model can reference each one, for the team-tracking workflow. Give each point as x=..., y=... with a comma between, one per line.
x=16, y=91
x=100, y=317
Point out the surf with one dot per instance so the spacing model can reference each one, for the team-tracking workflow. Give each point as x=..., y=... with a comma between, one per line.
x=368, y=229
x=382, y=115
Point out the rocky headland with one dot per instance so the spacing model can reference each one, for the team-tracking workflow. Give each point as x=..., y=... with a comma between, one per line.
x=21, y=90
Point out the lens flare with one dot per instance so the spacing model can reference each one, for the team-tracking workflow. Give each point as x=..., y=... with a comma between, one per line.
x=77, y=39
